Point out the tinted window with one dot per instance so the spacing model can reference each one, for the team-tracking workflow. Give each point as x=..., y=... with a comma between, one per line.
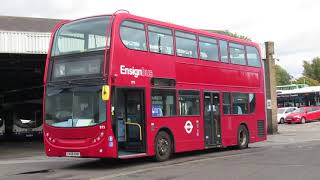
x=292, y=109
x=300, y=110
x=253, y=57
x=75, y=107
x=186, y=45
x=226, y=103
x=316, y=108
x=239, y=103
x=237, y=54
x=133, y=35
x=208, y=48
x=252, y=102
x=189, y=103
x=308, y=109
x=160, y=40
x=280, y=110
x=224, y=51
x=84, y=65
x=81, y=36
x=163, y=102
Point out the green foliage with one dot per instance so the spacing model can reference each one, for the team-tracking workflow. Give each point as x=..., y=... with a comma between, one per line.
x=228, y=33
x=306, y=80
x=312, y=69
x=282, y=76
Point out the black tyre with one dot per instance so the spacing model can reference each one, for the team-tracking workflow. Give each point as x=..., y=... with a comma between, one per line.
x=243, y=137
x=163, y=146
x=281, y=121
x=303, y=120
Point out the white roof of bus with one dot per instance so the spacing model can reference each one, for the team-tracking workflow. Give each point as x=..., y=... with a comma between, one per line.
x=299, y=91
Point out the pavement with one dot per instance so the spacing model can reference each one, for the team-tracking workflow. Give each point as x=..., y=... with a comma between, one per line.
x=20, y=149
x=292, y=154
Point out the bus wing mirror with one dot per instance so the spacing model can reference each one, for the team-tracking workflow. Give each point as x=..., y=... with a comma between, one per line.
x=105, y=92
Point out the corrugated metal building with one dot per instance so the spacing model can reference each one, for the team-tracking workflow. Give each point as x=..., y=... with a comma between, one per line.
x=25, y=35
x=24, y=43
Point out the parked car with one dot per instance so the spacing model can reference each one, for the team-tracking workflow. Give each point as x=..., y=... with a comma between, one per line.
x=303, y=115
x=283, y=112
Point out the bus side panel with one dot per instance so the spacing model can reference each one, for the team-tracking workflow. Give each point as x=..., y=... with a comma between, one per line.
x=186, y=132
x=228, y=130
x=231, y=123
x=206, y=75
x=260, y=115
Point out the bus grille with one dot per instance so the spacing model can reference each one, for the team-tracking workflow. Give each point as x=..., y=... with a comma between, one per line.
x=261, y=128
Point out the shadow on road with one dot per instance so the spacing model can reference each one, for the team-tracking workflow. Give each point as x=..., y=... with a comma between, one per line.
x=175, y=159
x=20, y=148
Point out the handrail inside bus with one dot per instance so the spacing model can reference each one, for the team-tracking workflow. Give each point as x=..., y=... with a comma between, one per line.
x=139, y=126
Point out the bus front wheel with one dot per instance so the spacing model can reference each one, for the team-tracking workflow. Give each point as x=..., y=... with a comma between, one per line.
x=163, y=146
x=243, y=137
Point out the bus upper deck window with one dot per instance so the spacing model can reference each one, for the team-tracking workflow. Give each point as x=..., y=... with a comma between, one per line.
x=133, y=35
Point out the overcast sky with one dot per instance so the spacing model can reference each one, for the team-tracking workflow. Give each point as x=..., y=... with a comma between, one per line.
x=293, y=24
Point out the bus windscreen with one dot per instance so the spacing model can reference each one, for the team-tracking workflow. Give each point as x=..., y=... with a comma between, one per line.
x=79, y=36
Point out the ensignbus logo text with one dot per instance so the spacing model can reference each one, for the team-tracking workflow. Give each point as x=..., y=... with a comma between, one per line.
x=136, y=72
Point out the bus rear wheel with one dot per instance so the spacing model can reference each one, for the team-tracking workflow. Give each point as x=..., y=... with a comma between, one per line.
x=163, y=146
x=243, y=137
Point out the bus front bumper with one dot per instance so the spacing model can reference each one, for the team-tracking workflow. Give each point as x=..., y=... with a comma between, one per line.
x=102, y=149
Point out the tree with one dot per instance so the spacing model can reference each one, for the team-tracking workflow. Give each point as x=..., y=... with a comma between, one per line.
x=282, y=76
x=312, y=69
x=306, y=80
x=228, y=33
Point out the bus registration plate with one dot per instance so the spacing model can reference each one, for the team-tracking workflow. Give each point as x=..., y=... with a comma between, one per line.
x=73, y=154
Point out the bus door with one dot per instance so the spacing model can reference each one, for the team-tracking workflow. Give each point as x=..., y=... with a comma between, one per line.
x=212, y=118
x=129, y=121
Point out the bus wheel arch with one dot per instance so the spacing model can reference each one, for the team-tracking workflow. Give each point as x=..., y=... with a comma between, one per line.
x=167, y=135
x=243, y=136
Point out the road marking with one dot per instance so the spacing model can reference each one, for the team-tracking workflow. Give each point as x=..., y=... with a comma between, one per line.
x=25, y=161
x=172, y=165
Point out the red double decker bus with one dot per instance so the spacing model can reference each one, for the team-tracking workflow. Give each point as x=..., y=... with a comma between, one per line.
x=123, y=86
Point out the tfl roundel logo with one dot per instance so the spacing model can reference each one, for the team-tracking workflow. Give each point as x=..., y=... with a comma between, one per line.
x=188, y=127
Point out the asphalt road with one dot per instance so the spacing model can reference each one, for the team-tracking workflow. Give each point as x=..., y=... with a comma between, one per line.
x=290, y=155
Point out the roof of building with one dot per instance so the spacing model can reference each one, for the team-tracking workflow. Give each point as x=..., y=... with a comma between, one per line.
x=28, y=24
x=310, y=89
